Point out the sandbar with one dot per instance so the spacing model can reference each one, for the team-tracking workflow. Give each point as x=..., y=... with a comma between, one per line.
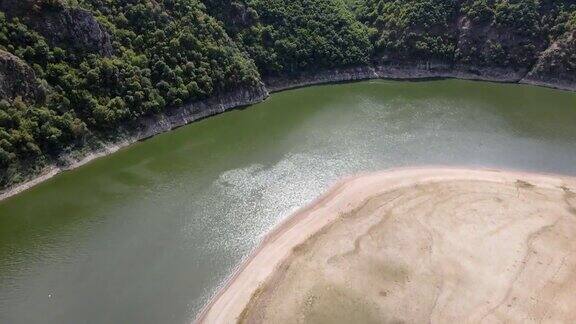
x=416, y=245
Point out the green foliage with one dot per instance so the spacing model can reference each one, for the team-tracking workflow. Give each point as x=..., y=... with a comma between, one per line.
x=479, y=11
x=498, y=33
x=313, y=34
x=290, y=36
x=521, y=16
x=571, y=24
x=415, y=29
x=29, y=132
x=38, y=5
x=166, y=53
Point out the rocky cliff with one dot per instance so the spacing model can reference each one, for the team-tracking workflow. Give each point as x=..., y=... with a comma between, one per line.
x=188, y=113
x=556, y=66
x=415, y=70
x=17, y=79
x=67, y=27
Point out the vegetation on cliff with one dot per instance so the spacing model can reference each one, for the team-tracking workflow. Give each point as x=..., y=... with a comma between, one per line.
x=76, y=72
x=481, y=33
x=159, y=54
x=290, y=36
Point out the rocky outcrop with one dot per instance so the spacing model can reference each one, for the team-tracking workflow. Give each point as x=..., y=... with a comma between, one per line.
x=72, y=28
x=556, y=66
x=17, y=79
x=236, y=15
x=76, y=29
x=198, y=110
x=416, y=70
x=275, y=84
x=484, y=44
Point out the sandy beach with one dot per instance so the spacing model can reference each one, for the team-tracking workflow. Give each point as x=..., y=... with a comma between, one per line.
x=416, y=245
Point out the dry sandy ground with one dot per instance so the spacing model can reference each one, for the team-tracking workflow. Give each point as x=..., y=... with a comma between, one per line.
x=416, y=246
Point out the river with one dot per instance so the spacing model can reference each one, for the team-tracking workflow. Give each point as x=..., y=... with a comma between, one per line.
x=148, y=234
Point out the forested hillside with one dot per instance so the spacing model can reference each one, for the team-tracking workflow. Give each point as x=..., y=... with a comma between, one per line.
x=502, y=33
x=75, y=74
x=289, y=36
x=146, y=57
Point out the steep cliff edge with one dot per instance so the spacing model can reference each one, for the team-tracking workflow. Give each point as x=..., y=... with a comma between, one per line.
x=556, y=66
x=17, y=79
x=67, y=27
x=402, y=71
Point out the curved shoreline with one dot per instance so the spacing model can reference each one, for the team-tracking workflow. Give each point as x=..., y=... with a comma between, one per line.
x=158, y=124
x=347, y=195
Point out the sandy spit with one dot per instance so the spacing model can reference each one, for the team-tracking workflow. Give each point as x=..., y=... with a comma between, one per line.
x=416, y=245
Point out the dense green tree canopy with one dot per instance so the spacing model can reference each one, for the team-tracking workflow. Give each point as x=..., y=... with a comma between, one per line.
x=165, y=53
x=418, y=29
x=502, y=33
x=289, y=36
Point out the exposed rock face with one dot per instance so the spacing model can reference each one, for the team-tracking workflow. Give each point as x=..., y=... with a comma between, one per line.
x=556, y=66
x=483, y=43
x=71, y=28
x=415, y=70
x=201, y=109
x=329, y=76
x=235, y=14
x=75, y=28
x=18, y=79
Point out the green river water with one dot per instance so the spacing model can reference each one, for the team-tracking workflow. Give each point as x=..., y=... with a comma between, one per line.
x=148, y=234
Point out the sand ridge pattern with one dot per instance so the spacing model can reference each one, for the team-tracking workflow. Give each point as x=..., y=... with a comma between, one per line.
x=415, y=246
